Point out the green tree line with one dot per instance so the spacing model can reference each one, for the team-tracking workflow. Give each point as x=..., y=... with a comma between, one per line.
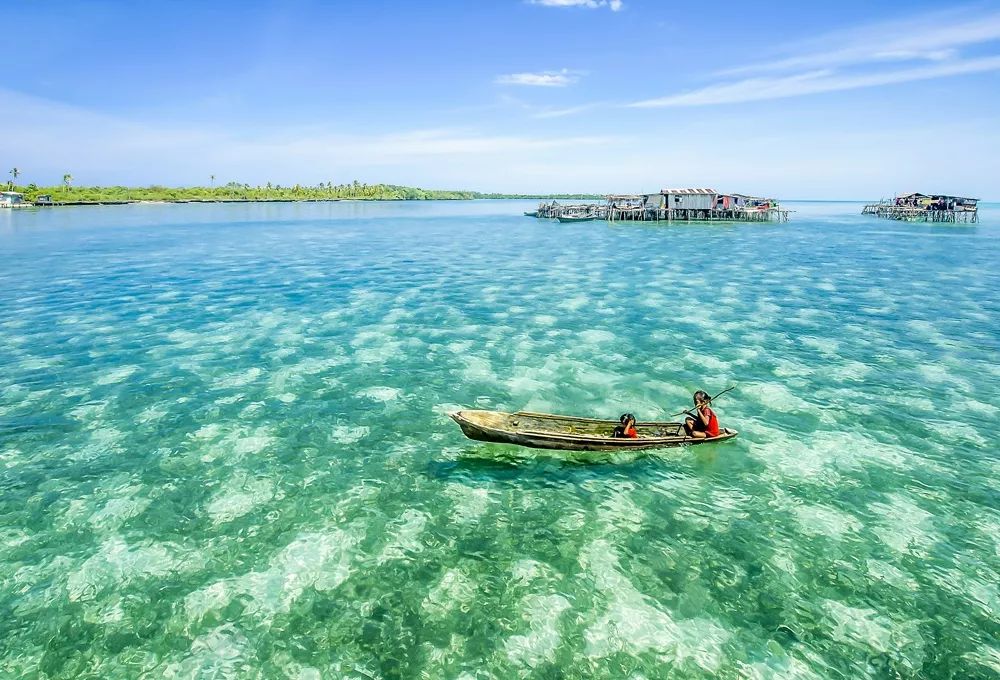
x=324, y=191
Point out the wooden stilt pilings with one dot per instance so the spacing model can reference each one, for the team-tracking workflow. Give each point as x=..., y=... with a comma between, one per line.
x=642, y=213
x=908, y=213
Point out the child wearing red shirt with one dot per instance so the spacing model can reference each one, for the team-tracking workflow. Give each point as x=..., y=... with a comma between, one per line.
x=706, y=424
x=627, y=427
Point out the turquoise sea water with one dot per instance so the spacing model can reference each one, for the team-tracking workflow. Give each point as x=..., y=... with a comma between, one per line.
x=224, y=449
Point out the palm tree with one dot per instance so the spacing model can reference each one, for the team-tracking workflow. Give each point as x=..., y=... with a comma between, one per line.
x=68, y=181
x=14, y=173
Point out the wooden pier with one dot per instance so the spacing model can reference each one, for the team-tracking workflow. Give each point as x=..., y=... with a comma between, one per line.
x=926, y=208
x=670, y=205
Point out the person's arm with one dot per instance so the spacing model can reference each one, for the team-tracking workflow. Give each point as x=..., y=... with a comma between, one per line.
x=706, y=418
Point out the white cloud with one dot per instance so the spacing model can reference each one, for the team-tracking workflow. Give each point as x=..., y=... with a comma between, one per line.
x=916, y=55
x=568, y=111
x=55, y=138
x=613, y=5
x=922, y=47
x=418, y=144
x=814, y=82
x=541, y=79
x=932, y=36
x=841, y=162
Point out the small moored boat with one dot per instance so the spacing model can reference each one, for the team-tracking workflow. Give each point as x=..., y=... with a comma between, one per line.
x=577, y=218
x=569, y=433
x=531, y=213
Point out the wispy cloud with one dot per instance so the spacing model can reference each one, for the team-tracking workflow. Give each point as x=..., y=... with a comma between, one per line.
x=542, y=112
x=447, y=142
x=567, y=111
x=813, y=82
x=929, y=46
x=540, y=79
x=55, y=138
x=613, y=5
x=929, y=37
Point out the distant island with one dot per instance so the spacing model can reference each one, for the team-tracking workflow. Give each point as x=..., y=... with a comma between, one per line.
x=234, y=191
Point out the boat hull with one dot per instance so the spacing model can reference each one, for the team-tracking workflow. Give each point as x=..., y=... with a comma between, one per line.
x=567, y=433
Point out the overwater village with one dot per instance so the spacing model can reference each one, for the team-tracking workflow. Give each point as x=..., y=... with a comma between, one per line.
x=916, y=207
x=701, y=205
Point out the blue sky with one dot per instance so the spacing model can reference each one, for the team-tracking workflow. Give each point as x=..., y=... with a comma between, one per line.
x=841, y=100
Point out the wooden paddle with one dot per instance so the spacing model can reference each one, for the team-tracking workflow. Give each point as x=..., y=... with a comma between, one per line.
x=710, y=400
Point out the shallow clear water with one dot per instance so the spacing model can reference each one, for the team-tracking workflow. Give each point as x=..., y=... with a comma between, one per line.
x=225, y=453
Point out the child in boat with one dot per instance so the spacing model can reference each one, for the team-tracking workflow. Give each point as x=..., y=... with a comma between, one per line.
x=627, y=427
x=706, y=424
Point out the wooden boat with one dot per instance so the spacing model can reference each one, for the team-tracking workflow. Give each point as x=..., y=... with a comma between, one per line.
x=531, y=213
x=577, y=218
x=568, y=433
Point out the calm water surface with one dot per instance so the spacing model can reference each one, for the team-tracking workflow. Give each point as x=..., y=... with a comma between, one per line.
x=224, y=449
